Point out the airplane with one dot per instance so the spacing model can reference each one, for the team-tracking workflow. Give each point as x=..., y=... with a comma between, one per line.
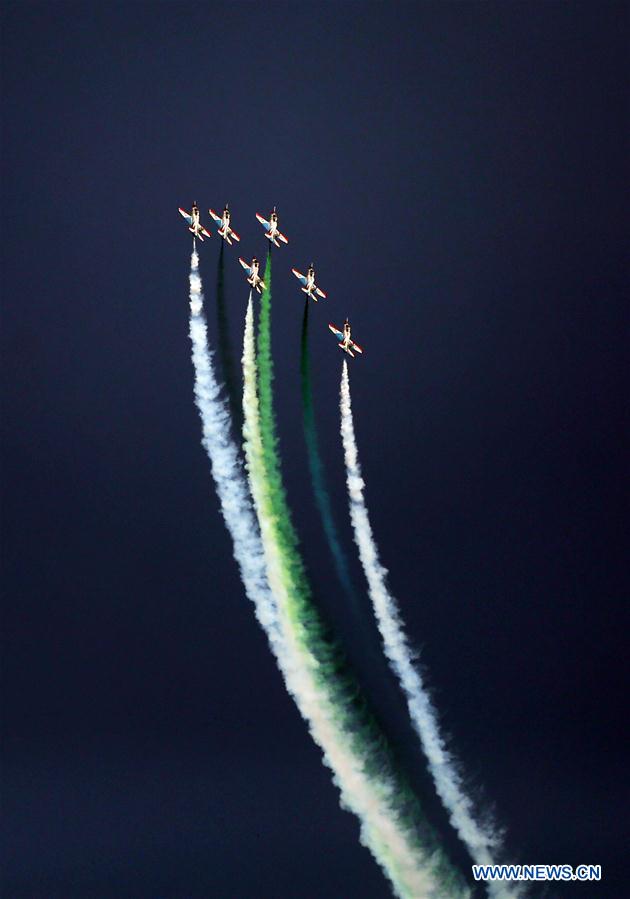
x=252, y=271
x=195, y=226
x=310, y=288
x=271, y=227
x=223, y=221
x=345, y=341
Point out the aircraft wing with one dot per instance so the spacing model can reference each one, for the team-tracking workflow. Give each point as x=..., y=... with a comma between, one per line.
x=338, y=334
x=186, y=216
x=245, y=265
x=282, y=237
x=355, y=346
x=234, y=235
x=216, y=217
x=299, y=276
x=203, y=231
x=320, y=292
x=263, y=221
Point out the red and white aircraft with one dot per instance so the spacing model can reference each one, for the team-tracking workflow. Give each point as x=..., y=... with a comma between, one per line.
x=345, y=340
x=194, y=225
x=310, y=288
x=253, y=277
x=271, y=227
x=223, y=221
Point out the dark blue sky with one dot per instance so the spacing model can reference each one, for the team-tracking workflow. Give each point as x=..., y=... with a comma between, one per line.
x=456, y=172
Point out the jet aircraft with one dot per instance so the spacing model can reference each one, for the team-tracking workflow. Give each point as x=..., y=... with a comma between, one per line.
x=253, y=277
x=271, y=227
x=346, y=343
x=309, y=288
x=194, y=225
x=223, y=221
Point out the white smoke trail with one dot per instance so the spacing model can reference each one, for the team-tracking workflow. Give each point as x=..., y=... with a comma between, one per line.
x=412, y=870
x=227, y=470
x=480, y=841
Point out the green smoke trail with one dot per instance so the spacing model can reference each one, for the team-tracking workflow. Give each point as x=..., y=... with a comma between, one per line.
x=225, y=349
x=322, y=497
x=392, y=824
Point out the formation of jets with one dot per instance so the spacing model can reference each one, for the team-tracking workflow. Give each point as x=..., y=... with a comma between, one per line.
x=252, y=269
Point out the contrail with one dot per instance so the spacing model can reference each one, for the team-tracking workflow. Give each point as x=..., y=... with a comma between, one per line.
x=322, y=496
x=391, y=824
x=480, y=841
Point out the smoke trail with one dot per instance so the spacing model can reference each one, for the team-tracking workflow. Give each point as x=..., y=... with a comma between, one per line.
x=479, y=841
x=322, y=497
x=227, y=471
x=225, y=349
x=391, y=824
x=353, y=774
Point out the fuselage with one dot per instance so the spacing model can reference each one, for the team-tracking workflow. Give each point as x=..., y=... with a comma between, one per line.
x=254, y=278
x=273, y=226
